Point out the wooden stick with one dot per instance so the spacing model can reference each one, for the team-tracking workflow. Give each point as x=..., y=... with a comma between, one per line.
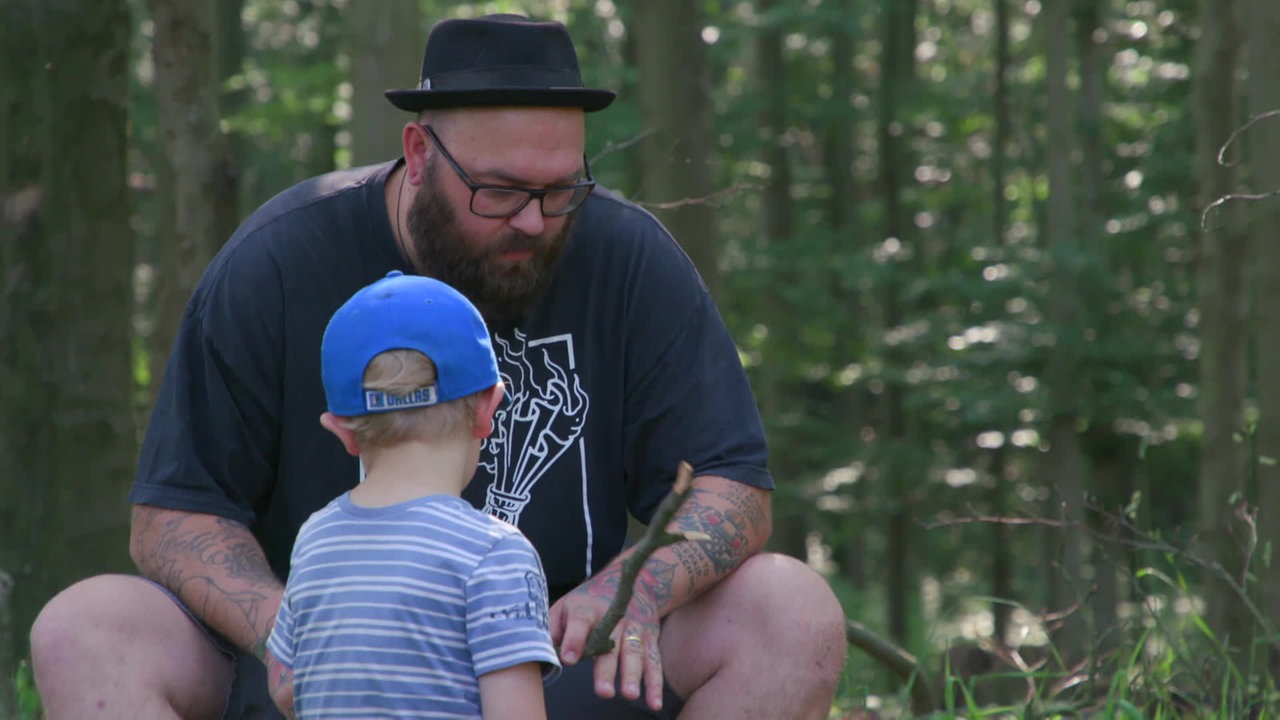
x=655, y=536
x=898, y=661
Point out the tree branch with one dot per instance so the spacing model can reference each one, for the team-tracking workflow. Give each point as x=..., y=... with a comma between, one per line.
x=1222, y=160
x=656, y=536
x=898, y=661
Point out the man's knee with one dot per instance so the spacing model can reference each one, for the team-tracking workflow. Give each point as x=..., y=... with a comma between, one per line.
x=126, y=640
x=770, y=600
x=794, y=607
x=68, y=618
x=774, y=617
x=100, y=615
x=774, y=583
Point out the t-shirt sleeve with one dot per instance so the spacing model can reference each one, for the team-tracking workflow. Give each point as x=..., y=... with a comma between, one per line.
x=687, y=397
x=212, y=441
x=507, y=609
x=280, y=642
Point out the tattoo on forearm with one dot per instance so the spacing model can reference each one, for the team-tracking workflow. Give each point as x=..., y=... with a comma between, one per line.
x=179, y=547
x=729, y=530
x=748, y=507
x=694, y=562
x=731, y=518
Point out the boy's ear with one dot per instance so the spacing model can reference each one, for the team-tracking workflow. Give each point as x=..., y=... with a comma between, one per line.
x=486, y=406
x=338, y=426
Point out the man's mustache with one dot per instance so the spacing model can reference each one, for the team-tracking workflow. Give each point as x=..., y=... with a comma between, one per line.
x=518, y=242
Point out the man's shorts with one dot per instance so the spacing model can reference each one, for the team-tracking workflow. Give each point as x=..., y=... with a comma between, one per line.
x=570, y=697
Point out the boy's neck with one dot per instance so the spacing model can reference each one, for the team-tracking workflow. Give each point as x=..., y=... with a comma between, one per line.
x=410, y=470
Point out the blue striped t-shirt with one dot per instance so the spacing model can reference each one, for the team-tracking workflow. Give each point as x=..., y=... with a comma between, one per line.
x=396, y=611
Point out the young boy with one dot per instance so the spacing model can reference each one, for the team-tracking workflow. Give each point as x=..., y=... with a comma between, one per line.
x=404, y=600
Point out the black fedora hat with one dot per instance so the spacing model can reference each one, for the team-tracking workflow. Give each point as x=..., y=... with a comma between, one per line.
x=499, y=60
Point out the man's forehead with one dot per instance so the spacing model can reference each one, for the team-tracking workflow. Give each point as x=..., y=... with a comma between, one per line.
x=542, y=145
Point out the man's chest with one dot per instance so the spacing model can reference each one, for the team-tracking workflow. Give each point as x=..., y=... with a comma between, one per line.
x=558, y=421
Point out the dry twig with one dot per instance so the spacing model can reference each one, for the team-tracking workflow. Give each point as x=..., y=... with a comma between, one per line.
x=656, y=536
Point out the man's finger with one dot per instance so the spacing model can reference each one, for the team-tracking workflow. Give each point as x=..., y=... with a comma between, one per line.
x=574, y=637
x=631, y=659
x=606, y=670
x=556, y=622
x=653, y=678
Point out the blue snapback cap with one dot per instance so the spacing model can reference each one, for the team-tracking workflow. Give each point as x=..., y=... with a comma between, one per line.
x=405, y=312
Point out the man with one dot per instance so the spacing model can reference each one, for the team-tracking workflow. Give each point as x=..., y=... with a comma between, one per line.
x=617, y=366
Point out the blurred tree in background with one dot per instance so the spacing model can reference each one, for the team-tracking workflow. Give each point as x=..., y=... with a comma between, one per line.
x=67, y=436
x=1016, y=388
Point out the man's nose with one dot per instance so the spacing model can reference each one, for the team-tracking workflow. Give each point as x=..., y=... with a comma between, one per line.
x=529, y=220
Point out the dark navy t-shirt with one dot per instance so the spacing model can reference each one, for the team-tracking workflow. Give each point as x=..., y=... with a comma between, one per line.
x=622, y=369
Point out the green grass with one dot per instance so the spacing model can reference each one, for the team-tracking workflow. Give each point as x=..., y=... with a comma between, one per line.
x=1168, y=665
x=28, y=700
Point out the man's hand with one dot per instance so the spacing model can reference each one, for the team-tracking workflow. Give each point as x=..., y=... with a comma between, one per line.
x=635, y=659
x=724, y=522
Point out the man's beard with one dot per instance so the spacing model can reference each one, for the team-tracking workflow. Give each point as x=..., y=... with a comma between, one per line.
x=502, y=291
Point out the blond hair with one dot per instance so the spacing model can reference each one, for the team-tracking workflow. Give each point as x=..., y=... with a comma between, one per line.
x=399, y=372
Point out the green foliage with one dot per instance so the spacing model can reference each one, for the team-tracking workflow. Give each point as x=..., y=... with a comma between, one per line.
x=1166, y=663
x=24, y=686
x=837, y=322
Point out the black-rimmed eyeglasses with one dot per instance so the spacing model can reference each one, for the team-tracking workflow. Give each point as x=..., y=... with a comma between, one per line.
x=504, y=201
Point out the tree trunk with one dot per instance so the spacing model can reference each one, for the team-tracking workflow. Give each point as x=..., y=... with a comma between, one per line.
x=384, y=43
x=196, y=152
x=1113, y=462
x=838, y=154
x=1110, y=470
x=1001, y=550
x=1264, y=224
x=791, y=525
x=1223, y=312
x=1063, y=467
x=675, y=103
x=839, y=129
x=1001, y=546
x=228, y=51
x=897, y=83
x=67, y=442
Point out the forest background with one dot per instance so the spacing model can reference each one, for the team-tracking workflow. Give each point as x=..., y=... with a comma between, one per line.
x=1004, y=274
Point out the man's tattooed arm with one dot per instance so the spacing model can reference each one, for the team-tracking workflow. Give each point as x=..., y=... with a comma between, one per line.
x=215, y=566
x=735, y=517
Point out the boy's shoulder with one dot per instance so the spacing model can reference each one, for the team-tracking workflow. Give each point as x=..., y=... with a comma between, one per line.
x=322, y=516
x=497, y=527
x=499, y=531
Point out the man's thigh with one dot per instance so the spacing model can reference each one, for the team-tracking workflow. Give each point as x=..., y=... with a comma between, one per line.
x=572, y=696
x=248, y=697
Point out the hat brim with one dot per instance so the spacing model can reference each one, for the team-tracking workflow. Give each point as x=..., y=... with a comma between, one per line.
x=590, y=100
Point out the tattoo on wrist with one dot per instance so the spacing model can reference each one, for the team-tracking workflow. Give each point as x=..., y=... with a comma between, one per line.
x=657, y=577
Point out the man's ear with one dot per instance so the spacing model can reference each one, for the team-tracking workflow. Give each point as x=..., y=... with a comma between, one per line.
x=486, y=406
x=338, y=426
x=415, y=143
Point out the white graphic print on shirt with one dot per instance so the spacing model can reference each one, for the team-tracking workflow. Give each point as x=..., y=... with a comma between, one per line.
x=537, y=425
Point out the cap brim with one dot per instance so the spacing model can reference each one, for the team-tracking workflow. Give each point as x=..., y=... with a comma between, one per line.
x=590, y=100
